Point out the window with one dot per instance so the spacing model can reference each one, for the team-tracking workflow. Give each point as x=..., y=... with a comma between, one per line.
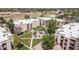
x=5, y=48
x=64, y=48
x=65, y=44
x=70, y=48
x=56, y=39
x=61, y=44
x=4, y=35
x=61, y=41
x=65, y=40
x=71, y=45
x=61, y=30
x=72, y=41
x=70, y=28
x=4, y=44
x=62, y=37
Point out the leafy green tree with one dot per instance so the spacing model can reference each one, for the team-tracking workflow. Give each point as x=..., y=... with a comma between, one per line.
x=10, y=24
x=51, y=27
x=16, y=42
x=48, y=42
x=2, y=20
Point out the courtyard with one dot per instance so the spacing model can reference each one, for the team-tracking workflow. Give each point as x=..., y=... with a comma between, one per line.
x=28, y=41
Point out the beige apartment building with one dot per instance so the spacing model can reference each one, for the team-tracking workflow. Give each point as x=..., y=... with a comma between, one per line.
x=68, y=36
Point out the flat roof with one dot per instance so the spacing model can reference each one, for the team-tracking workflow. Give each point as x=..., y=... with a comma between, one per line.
x=70, y=30
x=44, y=18
x=57, y=19
x=24, y=21
x=4, y=34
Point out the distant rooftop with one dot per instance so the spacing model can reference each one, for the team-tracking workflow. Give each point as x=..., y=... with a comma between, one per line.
x=44, y=18
x=25, y=21
x=57, y=19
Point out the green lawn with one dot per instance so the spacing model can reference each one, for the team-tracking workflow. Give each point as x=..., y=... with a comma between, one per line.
x=26, y=35
x=26, y=41
x=23, y=48
x=39, y=28
x=36, y=41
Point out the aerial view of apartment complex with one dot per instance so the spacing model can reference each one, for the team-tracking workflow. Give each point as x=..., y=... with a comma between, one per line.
x=39, y=29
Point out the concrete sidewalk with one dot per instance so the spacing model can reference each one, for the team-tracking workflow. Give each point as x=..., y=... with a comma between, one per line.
x=38, y=47
x=57, y=47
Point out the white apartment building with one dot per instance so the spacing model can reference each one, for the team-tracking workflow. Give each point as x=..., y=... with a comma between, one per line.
x=35, y=23
x=59, y=22
x=44, y=20
x=5, y=38
x=68, y=36
x=26, y=24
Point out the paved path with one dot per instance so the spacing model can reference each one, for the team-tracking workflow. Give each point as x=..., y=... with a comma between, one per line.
x=38, y=47
x=25, y=45
x=25, y=33
x=25, y=38
x=31, y=41
x=57, y=47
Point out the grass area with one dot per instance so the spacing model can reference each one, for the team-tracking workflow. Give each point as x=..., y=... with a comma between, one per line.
x=16, y=40
x=39, y=28
x=36, y=41
x=26, y=41
x=26, y=35
x=23, y=48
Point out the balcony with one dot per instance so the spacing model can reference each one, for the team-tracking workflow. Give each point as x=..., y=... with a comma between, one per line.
x=65, y=44
x=71, y=45
x=61, y=44
x=64, y=48
x=72, y=41
x=4, y=45
x=5, y=48
x=71, y=48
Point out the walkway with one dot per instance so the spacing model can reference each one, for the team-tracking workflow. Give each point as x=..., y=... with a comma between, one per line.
x=38, y=47
x=57, y=47
x=25, y=45
x=31, y=40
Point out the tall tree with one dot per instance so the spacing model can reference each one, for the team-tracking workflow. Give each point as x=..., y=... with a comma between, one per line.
x=16, y=42
x=2, y=20
x=51, y=27
x=11, y=25
x=48, y=42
